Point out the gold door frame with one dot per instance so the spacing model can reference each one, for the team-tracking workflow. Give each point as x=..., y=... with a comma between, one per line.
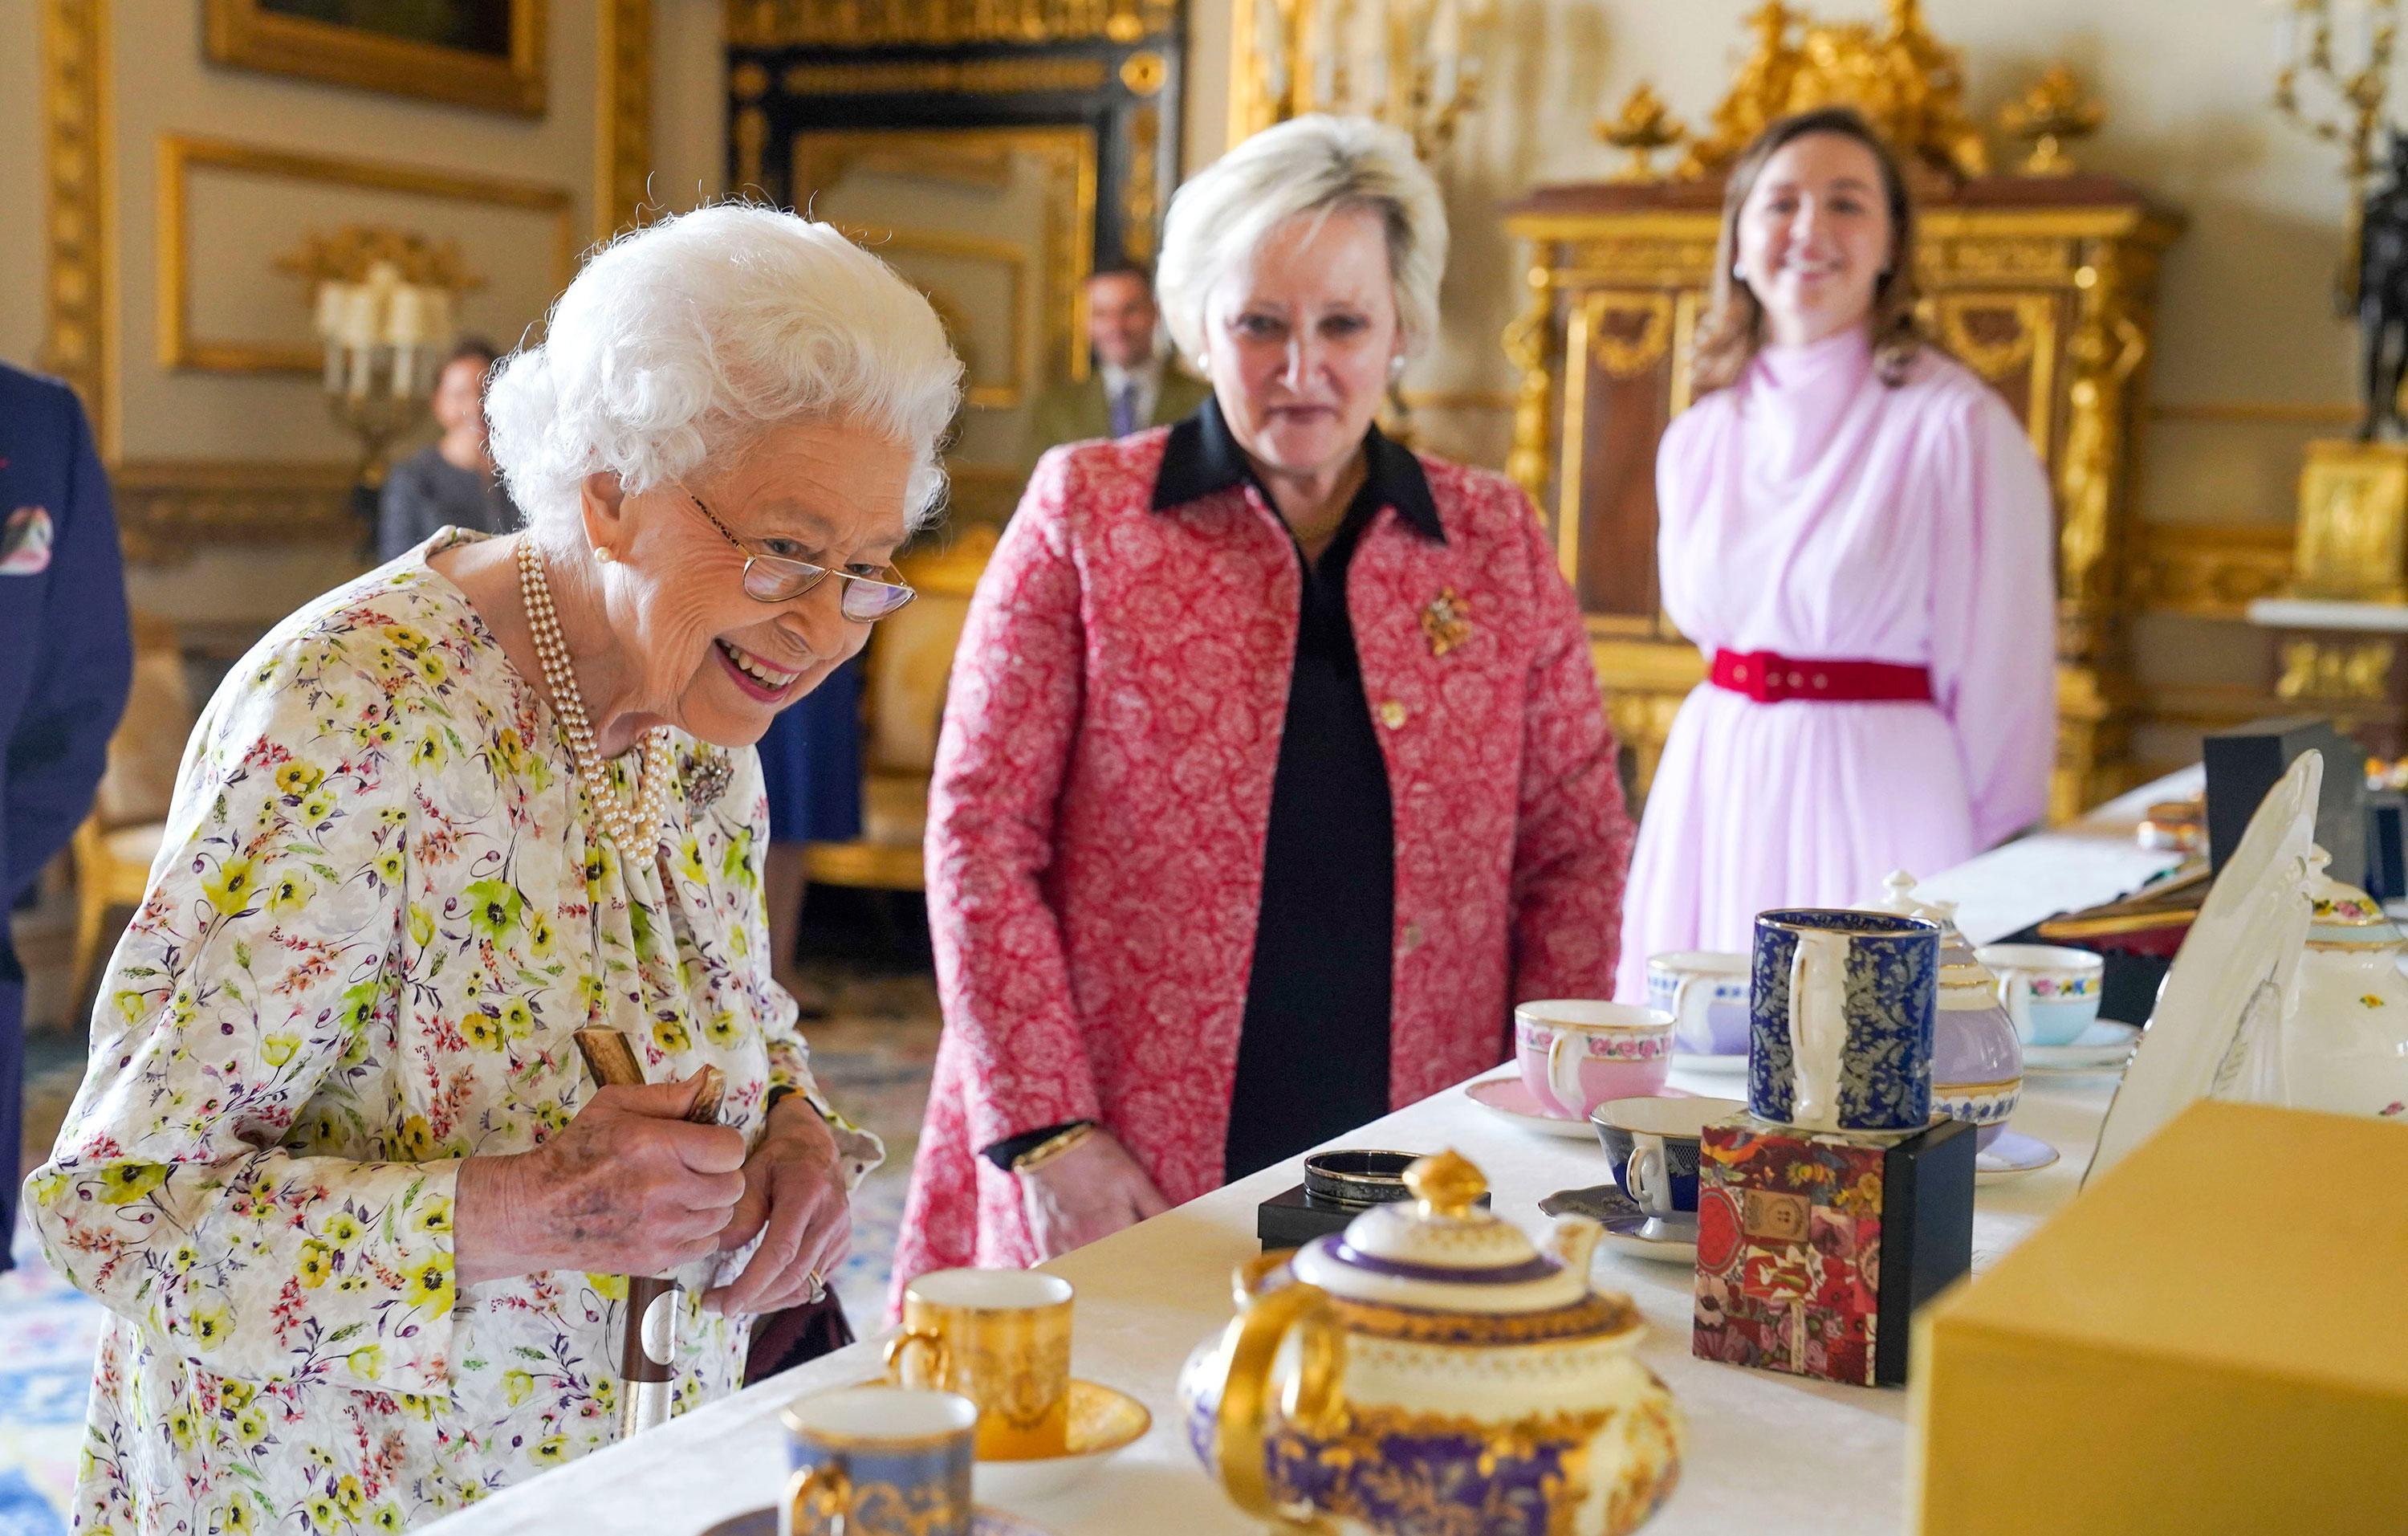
x=820, y=158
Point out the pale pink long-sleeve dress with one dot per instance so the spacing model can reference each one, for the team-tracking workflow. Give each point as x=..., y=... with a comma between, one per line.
x=1813, y=511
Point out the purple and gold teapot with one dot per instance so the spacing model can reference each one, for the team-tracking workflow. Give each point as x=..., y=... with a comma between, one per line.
x=1430, y=1369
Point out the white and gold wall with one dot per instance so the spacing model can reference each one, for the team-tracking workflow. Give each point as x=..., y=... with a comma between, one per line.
x=153, y=188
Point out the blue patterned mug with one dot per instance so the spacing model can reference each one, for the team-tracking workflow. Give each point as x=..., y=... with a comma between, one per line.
x=879, y=1461
x=1840, y=1008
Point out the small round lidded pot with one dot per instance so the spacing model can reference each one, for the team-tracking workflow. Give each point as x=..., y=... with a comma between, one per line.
x=1432, y=1369
x=1977, y=1058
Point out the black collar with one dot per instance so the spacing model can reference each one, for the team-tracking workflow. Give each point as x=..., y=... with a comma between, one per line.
x=1202, y=456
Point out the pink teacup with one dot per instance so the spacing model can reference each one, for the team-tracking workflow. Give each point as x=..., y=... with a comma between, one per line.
x=1574, y=1055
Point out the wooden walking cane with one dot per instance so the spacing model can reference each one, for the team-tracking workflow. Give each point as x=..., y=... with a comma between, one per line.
x=648, y=1332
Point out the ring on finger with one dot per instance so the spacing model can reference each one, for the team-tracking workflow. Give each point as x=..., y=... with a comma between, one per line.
x=819, y=1287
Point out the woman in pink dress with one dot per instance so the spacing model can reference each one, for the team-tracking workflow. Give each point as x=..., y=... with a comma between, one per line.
x=1856, y=532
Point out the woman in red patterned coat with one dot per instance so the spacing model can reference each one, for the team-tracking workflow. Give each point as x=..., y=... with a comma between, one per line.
x=1274, y=770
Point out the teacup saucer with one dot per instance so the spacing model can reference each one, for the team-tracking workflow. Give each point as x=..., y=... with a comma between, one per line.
x=2012, y=1156
x=1510, y=1099
x=2104, y=1047
x=1103, y=1422
x=764, y=1522
x=1659, y=1240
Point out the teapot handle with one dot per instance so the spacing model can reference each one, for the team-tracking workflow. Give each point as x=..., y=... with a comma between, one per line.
x=1241, y=1428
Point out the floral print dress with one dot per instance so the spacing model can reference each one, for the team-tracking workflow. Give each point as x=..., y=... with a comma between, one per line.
x=377, y=916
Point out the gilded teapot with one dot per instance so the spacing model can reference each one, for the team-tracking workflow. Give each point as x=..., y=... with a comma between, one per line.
x=1431, y=1369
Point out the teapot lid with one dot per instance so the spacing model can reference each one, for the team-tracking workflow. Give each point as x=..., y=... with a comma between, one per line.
x=1441, y=1251
x=2343, y=916
x=1897, y=897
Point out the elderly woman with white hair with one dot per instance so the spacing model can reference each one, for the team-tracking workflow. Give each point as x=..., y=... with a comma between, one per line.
x=336, y=1167
x=1274, y=769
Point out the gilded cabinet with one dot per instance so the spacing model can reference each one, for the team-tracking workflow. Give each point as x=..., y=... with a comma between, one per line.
x=2044, y=286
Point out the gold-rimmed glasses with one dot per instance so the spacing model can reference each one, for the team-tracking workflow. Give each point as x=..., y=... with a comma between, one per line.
x=775, y=578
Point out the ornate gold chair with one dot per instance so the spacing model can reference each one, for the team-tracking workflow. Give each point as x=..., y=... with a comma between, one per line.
x=114, y=848
x=911, y=656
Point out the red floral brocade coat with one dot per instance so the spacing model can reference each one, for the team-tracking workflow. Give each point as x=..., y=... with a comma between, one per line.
x=1103, y=788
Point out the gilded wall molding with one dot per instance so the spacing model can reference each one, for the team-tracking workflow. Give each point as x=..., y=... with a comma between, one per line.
x=945, y=76
x=942, y=23
x=178, y=347
x=2210, y=570
x=622, y=127
x=79, y=167
x=167, y=509
x=820, y=159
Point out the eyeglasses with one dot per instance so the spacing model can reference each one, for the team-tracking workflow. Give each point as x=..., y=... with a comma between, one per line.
x=773, y=578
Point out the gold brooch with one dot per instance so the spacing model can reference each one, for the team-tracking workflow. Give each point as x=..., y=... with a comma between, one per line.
x=1447, y=621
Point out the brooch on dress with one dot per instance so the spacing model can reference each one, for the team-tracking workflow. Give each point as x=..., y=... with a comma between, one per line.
x=1447, y=621
x=707, y=777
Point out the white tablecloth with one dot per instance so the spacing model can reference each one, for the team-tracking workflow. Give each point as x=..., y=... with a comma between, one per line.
x=1767, y=1453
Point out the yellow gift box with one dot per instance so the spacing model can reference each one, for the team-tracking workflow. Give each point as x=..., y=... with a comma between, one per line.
x=2214, y=1337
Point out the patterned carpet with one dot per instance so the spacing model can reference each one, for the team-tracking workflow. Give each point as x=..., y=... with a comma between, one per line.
x=872, y=1054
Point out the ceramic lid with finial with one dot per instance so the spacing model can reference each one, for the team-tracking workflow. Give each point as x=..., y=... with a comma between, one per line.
x=2343, y=916
x=1897, y=897
x=1441, y=1250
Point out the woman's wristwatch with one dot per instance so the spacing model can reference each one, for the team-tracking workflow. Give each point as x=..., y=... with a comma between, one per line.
x=1062, y=1142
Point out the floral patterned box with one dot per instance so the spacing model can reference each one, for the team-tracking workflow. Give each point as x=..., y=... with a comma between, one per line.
x=1815, y=1248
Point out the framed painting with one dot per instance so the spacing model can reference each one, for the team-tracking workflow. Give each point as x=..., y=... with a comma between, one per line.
x=487, y=54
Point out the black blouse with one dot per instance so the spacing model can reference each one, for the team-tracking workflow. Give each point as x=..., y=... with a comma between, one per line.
x=1312, y=1057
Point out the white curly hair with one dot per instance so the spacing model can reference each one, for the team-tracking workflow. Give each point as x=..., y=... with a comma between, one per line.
x=1312, y=166
x=681, y=342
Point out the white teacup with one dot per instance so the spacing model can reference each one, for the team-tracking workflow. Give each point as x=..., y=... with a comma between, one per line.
x=2052, y=993
x=1706, y=993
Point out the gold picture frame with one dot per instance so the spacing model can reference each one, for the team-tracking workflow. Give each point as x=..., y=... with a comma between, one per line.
x=251, y=35
x=178, y=347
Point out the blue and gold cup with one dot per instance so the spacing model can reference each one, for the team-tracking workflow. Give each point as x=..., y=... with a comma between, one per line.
x=879, y=1461
x=1841, y=1007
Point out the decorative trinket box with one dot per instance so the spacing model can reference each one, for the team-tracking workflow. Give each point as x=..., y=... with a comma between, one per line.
x=2209, y=1338
x=1815, y=1248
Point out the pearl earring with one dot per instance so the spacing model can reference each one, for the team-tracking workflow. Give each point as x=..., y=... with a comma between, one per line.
x=602, y=555
x=1396, y=369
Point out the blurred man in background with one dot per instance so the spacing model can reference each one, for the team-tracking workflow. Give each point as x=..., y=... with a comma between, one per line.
x=1134, y=384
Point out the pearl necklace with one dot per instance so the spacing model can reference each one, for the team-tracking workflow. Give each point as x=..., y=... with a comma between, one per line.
x=634, y=828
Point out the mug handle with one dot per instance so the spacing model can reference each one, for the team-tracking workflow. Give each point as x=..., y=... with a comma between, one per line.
x=909, y=1344
x=2015, y=988
x=1700, y=1038
x=1241, y=1424
x=1567, y=1086
x=820, y=1494
x=1818, y=1027
x=1643, y=1177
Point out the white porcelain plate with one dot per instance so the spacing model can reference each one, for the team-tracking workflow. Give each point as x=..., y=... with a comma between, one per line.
x=2104, y=1047
x=1732, y=1065
x=1510, y=1099
x=2010, y=1156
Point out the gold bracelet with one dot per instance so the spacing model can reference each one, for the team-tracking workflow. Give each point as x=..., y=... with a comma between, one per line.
x=1053, y=1147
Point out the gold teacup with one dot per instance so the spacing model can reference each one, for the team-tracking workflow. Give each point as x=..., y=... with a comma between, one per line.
x=1000, y=1338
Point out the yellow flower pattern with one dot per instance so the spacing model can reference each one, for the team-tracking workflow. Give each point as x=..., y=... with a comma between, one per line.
x=379, y=917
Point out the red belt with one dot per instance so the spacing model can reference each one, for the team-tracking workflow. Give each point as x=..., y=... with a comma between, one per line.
x=1769, y=678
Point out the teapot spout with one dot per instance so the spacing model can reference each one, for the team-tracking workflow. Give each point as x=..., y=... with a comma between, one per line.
x=1575, y=1241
